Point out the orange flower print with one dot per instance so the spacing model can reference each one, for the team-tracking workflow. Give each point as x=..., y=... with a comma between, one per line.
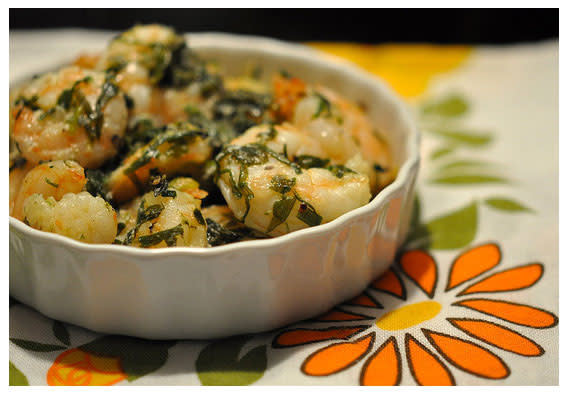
x=386, y=341
x=75, y=367
x=108, y=360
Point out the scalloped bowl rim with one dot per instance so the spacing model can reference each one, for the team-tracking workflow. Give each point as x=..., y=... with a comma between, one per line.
x=290, y=50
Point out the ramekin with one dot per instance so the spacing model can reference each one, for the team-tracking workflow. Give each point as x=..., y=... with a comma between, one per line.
x=246, y=287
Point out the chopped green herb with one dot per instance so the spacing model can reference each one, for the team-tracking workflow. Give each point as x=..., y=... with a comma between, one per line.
x=130, y=236
x=281, y=184
x=47, y=113
x=150, y=213
x=31, y=103
x=120, y=226
x=168, y=236
x=199, y=217
x=128, y=101
x=51, y=183
x=66, y=97
x=218, y=234
x=324, y=106
x=280, y=211
x=339, y=170
x=266, y=136
x=241, y=109
x=116, y=67
x=285, y=74
x=307, y=213
x=307, y=161
x=95, y=182
x=377, y=167
x=159, y=183
x=192, y=110
x=141, y=133
x=17, y=162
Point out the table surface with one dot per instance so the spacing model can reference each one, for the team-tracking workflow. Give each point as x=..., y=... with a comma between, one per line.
x=472, y=301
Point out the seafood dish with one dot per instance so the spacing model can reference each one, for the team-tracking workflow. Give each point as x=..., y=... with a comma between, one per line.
x=150, y=145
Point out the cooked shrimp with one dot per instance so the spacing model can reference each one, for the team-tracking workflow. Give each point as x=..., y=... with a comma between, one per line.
x=51, y=179
x=172, y=218
x=344, y=114
x=341, y=127
x=180, y=149
x=142, y=53
x=79, y=216
x=140, y=57
x=72, y=114
x=275, y=195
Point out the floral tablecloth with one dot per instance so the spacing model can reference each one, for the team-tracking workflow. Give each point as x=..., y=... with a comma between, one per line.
x=473, y=298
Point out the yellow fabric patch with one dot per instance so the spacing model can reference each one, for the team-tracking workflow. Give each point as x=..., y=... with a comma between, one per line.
x=409, y=315
x=406, y=68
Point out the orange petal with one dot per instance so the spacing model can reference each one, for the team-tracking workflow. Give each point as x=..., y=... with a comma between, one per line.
x=426, y=368
x=516, y=278
x=468, y=356
x=472, y=263
x=337, y=357
x=421, y=268
x=390, y=283
x=499, y=336
x=304, y=336
x=338, y=314
x=520, y=314
x=383, y=367
x=75, y=367
x=365, y=300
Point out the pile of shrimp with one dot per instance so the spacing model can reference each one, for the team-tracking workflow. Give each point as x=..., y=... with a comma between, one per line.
x=148, y=145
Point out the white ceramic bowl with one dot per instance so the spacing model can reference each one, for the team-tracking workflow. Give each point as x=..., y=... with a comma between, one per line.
x=244, y=287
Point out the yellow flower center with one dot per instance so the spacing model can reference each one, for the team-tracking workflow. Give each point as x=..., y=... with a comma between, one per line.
x=409, y=315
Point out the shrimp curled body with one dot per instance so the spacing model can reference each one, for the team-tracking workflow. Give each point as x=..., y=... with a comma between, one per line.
x=275, y=197
x=72, y=114
x=79, y=216
x=51, y=179
x=157, y=221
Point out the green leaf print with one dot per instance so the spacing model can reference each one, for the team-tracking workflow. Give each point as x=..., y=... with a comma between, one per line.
x=138, y=357
x=467, y=179
x=17, y=378
x=36, y=346
x=460, y=165
x=218, y=364
x=454, y=230
x=443, y=151
x=61, y=333
x=450, y=106
x=469, y=138
x=507, y=204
